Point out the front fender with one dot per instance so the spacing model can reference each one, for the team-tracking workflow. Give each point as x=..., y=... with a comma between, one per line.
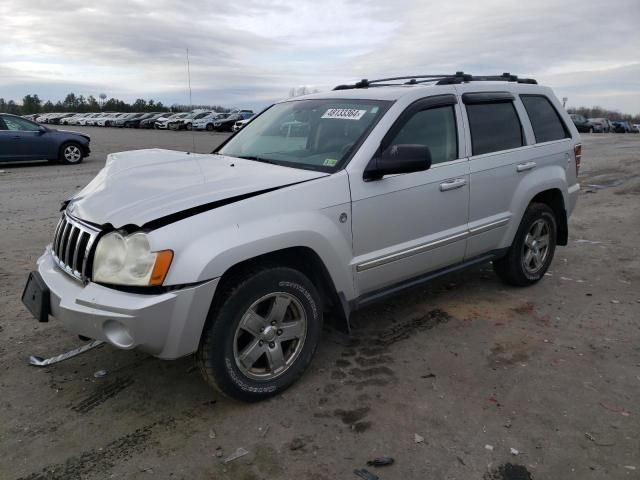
x=206, y=245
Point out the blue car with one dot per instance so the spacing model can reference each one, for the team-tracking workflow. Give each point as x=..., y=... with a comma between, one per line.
x=22, y=139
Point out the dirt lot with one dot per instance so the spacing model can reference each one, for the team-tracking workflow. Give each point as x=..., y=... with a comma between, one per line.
x=470, y=366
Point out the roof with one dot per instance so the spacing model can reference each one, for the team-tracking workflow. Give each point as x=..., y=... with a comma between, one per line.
x=396, y=87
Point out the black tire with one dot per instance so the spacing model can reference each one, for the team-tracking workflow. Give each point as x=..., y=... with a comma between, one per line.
x=70, y=153
x=513, y=268
x=209, y=127
x=219, y=355
x=189, y=126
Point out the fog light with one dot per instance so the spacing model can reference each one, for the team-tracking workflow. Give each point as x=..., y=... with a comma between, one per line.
x=118, y=334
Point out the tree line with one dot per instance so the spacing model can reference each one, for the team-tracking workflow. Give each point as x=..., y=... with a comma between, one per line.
x=32, y=103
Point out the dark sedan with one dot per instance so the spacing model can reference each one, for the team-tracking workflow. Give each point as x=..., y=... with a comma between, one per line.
x=226, y=124
x=22, y=139
x=582, y=124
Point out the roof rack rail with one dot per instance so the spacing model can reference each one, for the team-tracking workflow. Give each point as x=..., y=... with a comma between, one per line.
x=445, y=79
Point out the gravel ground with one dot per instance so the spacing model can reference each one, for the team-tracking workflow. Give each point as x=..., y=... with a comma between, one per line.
x=446, y=379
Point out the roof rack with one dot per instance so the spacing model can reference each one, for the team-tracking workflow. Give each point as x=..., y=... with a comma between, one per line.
x=458, y=77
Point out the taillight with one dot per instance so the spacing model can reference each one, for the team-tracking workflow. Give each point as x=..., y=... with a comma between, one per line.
x=577, y=152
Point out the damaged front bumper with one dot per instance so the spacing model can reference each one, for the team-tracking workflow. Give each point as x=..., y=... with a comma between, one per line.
x=167, y=325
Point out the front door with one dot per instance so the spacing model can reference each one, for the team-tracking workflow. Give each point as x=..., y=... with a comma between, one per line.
x=29, y=141
x=411, y=224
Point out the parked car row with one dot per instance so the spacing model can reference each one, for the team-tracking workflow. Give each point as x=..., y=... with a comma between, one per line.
x=195, y=120
x=602, y=125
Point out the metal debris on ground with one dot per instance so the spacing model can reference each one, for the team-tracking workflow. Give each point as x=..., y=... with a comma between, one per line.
x=212, y=433
x=489, y=447
x=43, y=362
x=514, y=451
x=418, y=438
x=365, y=474
x=264, y=431
x=240, y=452
x=100, y=374
x=381, y=462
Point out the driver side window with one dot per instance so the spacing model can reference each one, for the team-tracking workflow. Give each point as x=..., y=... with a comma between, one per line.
x=20, y=124
x=435, y=128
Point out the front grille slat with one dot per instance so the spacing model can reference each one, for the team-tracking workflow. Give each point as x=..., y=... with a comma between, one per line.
x=71, y=246
x=83, y=238
x=63, y=241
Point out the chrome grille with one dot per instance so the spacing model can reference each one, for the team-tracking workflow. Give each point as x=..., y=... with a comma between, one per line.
x=72, y=245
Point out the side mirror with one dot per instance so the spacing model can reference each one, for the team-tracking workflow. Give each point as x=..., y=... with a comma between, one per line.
x=42, y=130
x=404, y=158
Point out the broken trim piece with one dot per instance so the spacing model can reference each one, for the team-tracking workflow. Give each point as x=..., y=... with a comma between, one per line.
x=44, y=362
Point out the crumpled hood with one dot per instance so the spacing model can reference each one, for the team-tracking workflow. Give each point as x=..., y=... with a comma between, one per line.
x=140, y=186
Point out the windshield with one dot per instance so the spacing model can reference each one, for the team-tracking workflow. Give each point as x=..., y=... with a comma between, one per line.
x=311, y=134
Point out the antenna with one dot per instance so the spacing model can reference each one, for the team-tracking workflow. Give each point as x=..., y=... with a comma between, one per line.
x=193, y=135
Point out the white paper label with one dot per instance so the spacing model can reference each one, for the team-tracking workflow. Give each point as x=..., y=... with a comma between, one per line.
x=344, y=113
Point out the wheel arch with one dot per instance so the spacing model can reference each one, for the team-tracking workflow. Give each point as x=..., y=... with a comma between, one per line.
x=555, y=200
x=301, y=258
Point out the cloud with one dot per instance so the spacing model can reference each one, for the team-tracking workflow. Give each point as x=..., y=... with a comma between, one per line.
x=257, y=50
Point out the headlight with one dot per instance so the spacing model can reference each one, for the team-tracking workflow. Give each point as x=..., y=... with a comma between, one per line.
x=128, y=260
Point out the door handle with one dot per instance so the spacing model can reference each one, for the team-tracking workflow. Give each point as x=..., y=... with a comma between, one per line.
x=523, y=167
x=453, y=184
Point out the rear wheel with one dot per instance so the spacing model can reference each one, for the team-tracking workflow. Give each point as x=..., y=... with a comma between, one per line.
x=262, y=336
x=531, y=253
x=209, y=127
x=189, y=126
x=70, y=154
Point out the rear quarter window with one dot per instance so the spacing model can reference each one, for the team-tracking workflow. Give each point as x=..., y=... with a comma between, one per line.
x=545, y=120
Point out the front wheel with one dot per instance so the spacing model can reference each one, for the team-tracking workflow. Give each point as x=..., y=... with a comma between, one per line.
x=209, y=127
x=262, y=336
x=70, y=154
x=531, y=252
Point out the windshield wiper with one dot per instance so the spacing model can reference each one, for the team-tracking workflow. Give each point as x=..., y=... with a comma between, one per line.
x=257, y=159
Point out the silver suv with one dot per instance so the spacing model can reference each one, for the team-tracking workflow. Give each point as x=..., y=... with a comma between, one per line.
x=326, y=202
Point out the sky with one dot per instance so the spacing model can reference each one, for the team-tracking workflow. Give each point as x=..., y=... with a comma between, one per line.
x=250, y=53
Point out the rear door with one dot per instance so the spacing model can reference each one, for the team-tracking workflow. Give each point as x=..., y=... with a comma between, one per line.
x=499, y=159
x=410, y=224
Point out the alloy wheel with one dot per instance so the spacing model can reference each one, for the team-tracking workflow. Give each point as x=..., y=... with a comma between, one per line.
x=270, y=336
x=72, y=154
x=535, y=249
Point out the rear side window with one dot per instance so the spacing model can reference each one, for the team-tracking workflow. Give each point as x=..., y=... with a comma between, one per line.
x=494, y=127
x=546, y=123
x=435, y=128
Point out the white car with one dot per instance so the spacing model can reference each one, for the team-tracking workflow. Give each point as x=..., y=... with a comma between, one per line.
x=237, y=255
x=164, y=124
x=206, y=123
x=73, y=119
x=88, y=120
x=108, y=119
x=241, y=123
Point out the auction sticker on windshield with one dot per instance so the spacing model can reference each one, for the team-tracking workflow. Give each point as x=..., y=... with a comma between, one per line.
x=344, y=113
